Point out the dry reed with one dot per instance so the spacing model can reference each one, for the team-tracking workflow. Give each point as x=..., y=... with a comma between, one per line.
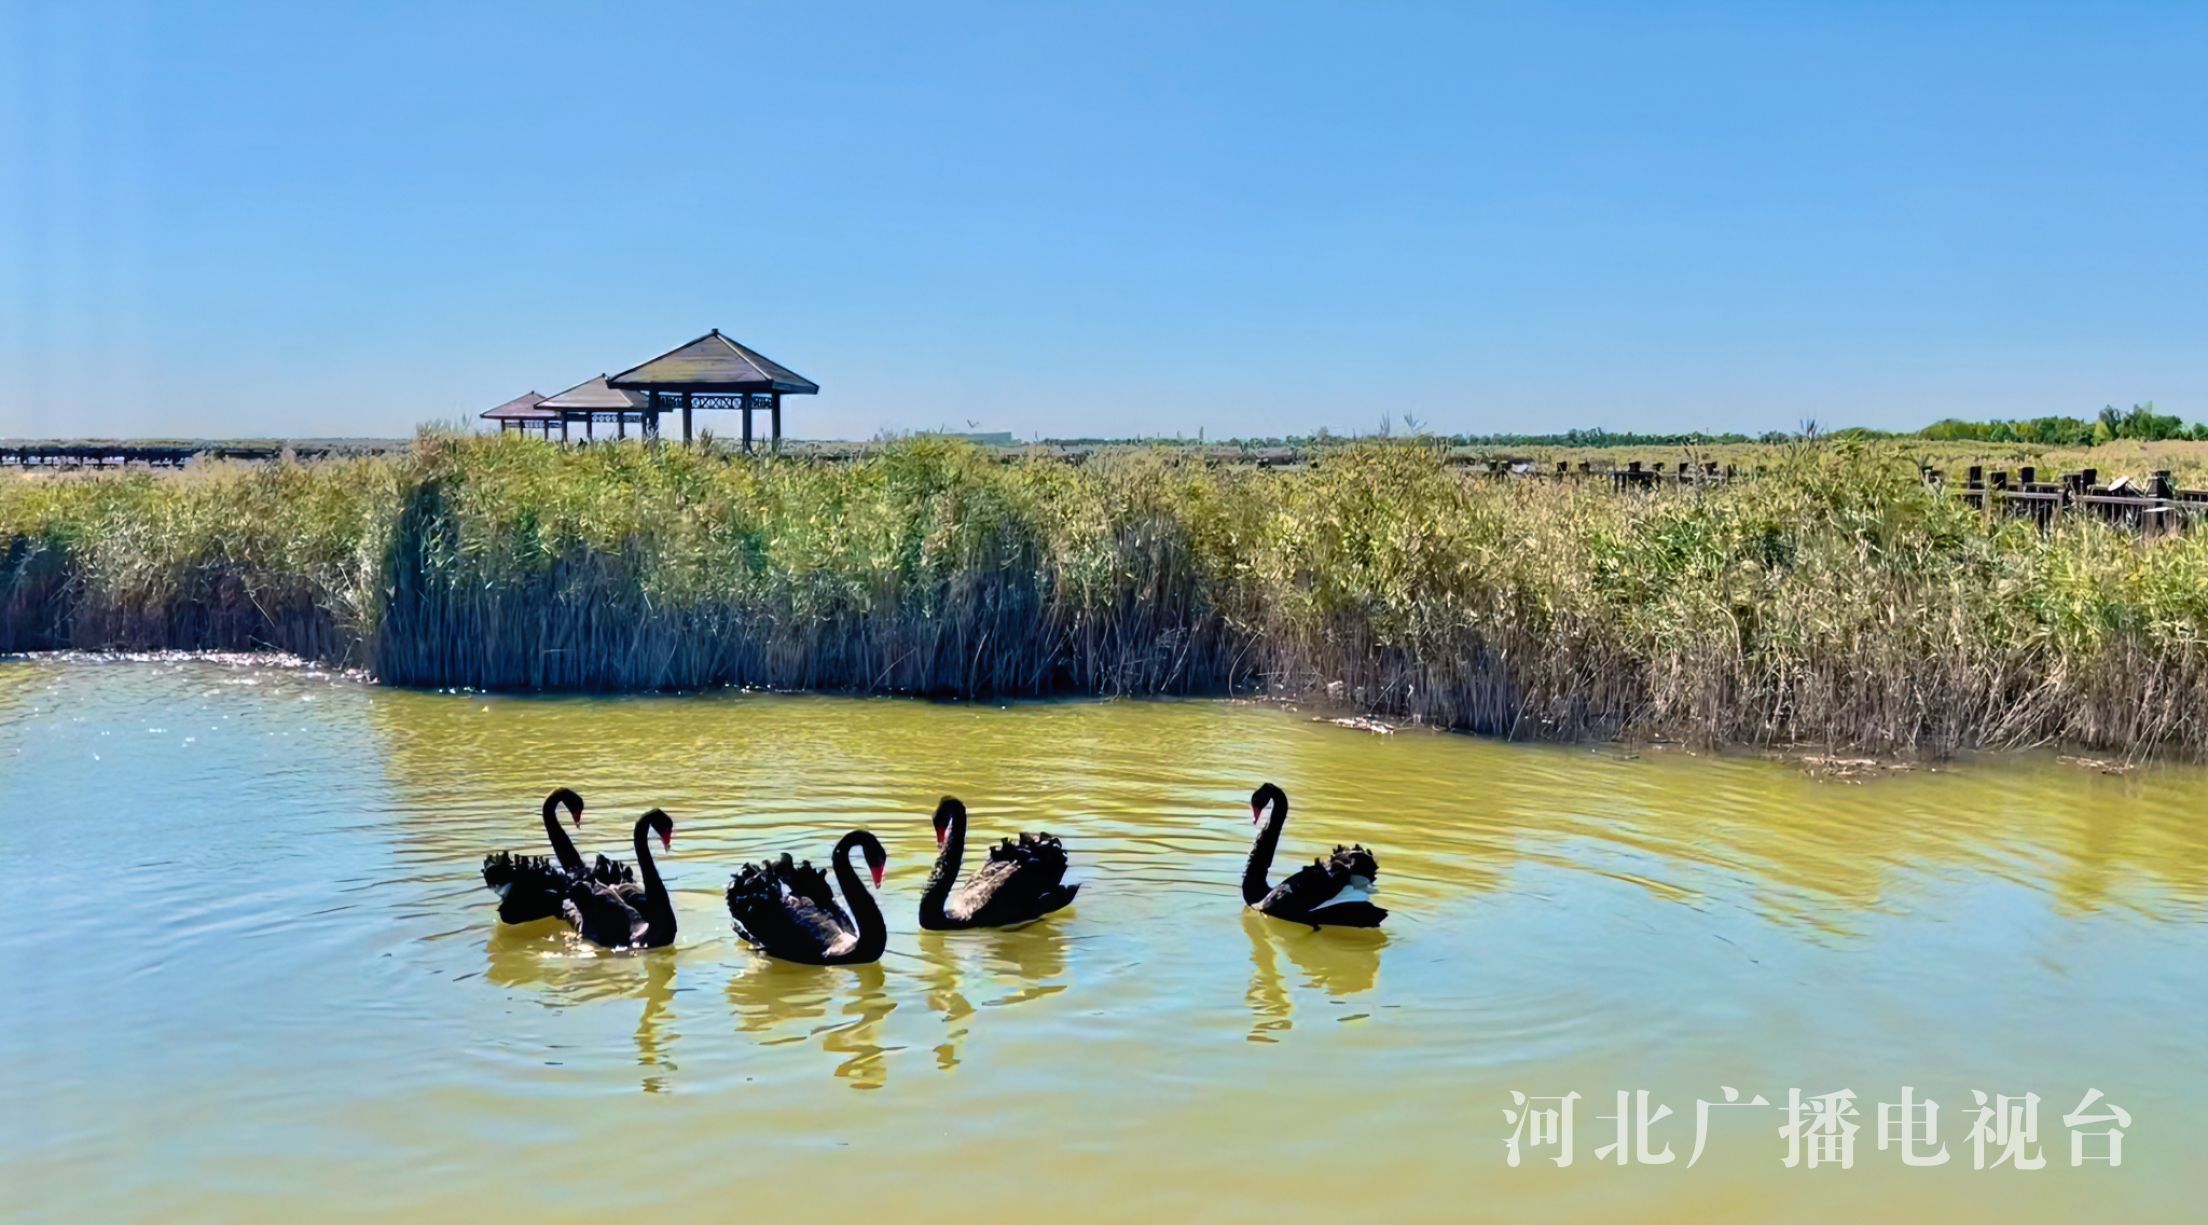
x=1832, y=601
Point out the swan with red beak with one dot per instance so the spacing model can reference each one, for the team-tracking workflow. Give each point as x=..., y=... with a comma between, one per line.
x=1332, y=892
x=786, y=909
x=1022, y=881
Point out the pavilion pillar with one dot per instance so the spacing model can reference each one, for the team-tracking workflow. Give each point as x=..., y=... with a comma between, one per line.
x=590, y=428
x=621, y=426
x=563, y=427
x=747, y=422
x=777, y=422
x=686, y=418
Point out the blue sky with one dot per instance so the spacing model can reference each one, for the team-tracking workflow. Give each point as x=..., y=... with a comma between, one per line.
x=1086, y=219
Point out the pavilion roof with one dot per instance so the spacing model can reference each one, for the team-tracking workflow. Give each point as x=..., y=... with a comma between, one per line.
x=713, y=362
x=593, y=396
x=520, y=408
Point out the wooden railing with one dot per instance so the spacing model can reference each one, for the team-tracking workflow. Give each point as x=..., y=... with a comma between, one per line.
x=2153, y=508
x=101, y=454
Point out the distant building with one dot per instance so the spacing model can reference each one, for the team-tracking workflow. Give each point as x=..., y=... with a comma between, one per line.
x=707, y=373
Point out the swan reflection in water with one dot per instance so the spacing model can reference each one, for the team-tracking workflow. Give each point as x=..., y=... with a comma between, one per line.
x=1026, y=963
x=547, y=958
x=1336, y=962
x=784, y=1003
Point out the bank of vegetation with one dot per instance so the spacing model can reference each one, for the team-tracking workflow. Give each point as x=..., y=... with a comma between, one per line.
x=2140, y=423
x=1833, y=600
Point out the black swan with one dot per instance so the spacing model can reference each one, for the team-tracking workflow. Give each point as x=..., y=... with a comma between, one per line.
x=531, y=887
x=1023, y=880
x=623, y=916
x=786, y=909
x=1332, y=892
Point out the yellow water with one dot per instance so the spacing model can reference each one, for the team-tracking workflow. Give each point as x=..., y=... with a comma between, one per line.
x=250, y=972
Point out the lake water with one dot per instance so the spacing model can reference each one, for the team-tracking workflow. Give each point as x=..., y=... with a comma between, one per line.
x=251, y=972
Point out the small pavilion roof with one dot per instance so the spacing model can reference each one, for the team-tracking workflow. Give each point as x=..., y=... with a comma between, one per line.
x=520, y=408
x=713, y=362
x=593, y=396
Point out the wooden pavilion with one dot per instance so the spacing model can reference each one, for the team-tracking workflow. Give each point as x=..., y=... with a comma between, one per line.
x=521, y=413
x=713, y=372
x=592, y=401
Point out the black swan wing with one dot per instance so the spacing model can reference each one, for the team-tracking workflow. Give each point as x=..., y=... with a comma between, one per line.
x=779, y=907
x=1336, y=890
x=603, y=916
x=503, y=870
x=1347, y=877
x=610, y=872
x=1304, y=888
x=1020, y=879
x=529, y=887
x=804, y=880
x=1356, y=862
x=825, y=929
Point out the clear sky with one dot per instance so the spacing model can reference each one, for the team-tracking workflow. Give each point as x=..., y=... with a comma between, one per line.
x=1059, y=219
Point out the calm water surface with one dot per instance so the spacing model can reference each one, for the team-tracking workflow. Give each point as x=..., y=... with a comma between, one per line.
x=251, y=972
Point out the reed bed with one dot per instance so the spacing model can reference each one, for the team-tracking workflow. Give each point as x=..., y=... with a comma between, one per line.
x=220, y=557
x=1832, y=601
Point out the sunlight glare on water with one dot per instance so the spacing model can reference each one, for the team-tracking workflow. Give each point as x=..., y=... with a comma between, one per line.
x=253, y=974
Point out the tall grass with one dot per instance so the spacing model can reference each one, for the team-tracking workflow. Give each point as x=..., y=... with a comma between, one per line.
x=223, y=556
x=1832, y=601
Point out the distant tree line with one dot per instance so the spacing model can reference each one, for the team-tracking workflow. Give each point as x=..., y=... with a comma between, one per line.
x=2141, y=423
x=1604, y=438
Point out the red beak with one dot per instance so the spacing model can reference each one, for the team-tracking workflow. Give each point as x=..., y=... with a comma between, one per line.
x=941, y=836
x=1256, y=814
x=667, y=842
x=877, y=875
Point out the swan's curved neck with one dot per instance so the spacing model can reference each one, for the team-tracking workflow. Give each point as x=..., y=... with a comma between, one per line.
x=562, y=846
x=659, y=911
x=1254, y=887
x=940, y=881
x=873, y=932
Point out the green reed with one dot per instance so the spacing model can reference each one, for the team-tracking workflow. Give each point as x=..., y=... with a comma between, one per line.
x=1833, y=600
x=220, y=557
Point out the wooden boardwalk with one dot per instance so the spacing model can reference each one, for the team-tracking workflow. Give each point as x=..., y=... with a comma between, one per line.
x=2154, y=507
x=101, y=453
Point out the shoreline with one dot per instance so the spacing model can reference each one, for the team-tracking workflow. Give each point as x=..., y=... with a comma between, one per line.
x=1837, y=603
x=1821, y=762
